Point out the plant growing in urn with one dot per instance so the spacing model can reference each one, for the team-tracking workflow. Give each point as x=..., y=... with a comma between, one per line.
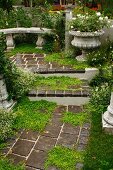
x=86, y=29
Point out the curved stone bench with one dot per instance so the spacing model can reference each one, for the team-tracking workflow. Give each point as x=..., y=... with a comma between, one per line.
x=10, y=31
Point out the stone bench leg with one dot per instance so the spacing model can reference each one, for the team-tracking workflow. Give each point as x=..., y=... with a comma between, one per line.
x=40, y=42
x=9, y=42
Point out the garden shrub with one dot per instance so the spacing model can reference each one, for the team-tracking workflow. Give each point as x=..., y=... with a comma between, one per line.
x=17, y=80
x=6, y=124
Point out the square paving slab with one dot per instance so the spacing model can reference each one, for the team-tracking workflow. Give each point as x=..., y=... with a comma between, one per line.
x=52, y=131
x=29, y=135
x=67, y=140
x=61, y=109
x=45, y=143
x=37, y=159
x=16, y=159
x=71, y=129
x=23, y=147
x=74, y=109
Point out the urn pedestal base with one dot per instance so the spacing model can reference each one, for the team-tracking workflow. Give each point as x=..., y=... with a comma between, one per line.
x=107, y=118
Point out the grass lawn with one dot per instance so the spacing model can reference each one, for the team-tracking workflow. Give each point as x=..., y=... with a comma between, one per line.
x=24, y=48
x=57, y=83
x=63, y=158
x=33, y=114
x=62, y=59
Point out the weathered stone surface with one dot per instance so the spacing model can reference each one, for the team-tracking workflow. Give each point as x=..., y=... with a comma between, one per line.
x=50, y=93
x=60, y=109
x=79, y=166
x=67, y=140
x=32, y=93
x=84, y=132
x=45, y=143
x=29, y=135
x=86, y=126
x=76, y=93
x=81, y=147
x=52, y=131
x=59, y=93
x=83, y=140
x=56, y=120
x=39, y=55
x=29, y=168
x=37, y=159
x=16, y=158
x=74, y=109
x=68, y=93
x=68, y=128
x=41, y=93
x=23, y=147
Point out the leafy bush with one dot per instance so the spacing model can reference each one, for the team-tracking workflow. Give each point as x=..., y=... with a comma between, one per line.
x=6, y=124
x=17, y=80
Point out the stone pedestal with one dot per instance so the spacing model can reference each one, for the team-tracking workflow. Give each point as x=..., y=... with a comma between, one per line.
x=40, y=42
x=4, y=103
x=107, y=118
x=9, y=42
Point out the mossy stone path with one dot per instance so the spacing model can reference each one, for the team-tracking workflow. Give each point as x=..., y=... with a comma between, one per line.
x=31, y=147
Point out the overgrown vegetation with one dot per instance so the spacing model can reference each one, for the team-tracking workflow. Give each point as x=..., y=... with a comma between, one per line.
x=24, y=48
x=5, y=164
x=6, y=124
x=76, y=119
x=57, y=83
x=18, y=81
x=66, y=59
x=99, y=151
x=33, y=114
x=63, y=158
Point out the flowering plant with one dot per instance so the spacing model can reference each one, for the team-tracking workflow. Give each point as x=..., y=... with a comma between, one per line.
x=89, y=22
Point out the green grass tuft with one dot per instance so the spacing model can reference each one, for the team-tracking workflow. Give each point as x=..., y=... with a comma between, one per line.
x=33, y=114
x=63, y=158
x=57, y=83
x=5, y=164
x=61, y=59
x=76, y=119
x=24, y=48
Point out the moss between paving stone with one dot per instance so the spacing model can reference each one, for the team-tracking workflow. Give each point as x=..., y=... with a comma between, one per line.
x=33, y=114
x=61, y=59
x=64, y=158
x=24, y=48
x=57, y=83
x=76, y=119
x=5, y=164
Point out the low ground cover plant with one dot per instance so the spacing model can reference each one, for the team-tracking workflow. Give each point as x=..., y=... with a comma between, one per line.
x=57, y=83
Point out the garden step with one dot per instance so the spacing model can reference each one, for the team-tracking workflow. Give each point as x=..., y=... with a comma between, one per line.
x=59, y=93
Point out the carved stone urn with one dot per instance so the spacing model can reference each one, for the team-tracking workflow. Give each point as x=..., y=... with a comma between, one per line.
x=85, y=41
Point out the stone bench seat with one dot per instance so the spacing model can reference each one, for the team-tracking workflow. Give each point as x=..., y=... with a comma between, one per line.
x=21, y=30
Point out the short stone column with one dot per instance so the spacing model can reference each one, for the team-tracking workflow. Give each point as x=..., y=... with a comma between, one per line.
x=4, y=103
x=40, y=42
x=68, y=18
x=107, y=118
x=9, y=42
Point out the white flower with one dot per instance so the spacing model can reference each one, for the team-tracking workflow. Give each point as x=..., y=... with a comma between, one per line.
x=106, y=18
x=98, y=14
x=72, y=27
x=109, y=21
x=78, y=31
x=100, y=18
x=74, y=18
x=111, y=26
